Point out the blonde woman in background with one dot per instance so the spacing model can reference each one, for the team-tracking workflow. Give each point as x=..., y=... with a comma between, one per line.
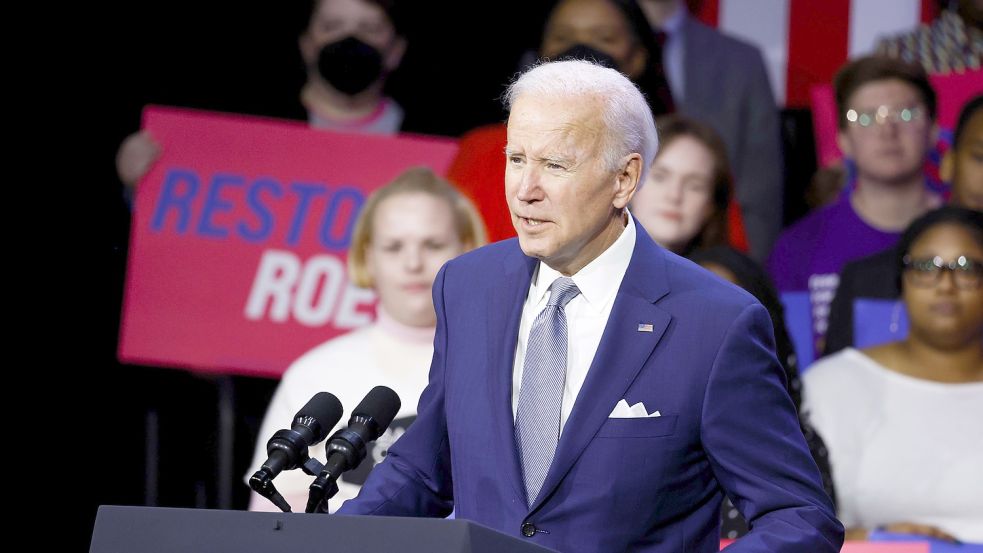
x=406, y=231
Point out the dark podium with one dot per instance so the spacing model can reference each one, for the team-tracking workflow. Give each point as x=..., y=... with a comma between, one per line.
x=155, y=529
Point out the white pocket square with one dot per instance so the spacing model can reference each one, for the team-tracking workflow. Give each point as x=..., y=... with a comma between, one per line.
x=638, y=411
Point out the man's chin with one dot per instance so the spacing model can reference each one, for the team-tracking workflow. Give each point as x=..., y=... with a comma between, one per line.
x=532, y=247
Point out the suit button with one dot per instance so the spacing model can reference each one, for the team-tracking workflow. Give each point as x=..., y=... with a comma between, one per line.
x=528, y=529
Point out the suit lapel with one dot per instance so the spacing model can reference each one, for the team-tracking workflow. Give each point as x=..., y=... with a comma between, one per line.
x=505, y=299
x=620, y=356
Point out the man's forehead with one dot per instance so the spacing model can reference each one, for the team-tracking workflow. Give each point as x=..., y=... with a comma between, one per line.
x=554, y=124
x=875, y=93
x=561, y=144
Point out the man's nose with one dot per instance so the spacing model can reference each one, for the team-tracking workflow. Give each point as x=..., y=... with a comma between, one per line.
x=530, y=186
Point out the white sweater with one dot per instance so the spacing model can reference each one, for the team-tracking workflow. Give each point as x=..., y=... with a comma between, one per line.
x=902, y=449
x=348, y=367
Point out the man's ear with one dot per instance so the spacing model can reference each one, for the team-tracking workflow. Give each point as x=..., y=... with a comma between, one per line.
x=627, y=180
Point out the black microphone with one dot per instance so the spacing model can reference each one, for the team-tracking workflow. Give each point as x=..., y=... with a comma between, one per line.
x=347, y=447
x=287, y=449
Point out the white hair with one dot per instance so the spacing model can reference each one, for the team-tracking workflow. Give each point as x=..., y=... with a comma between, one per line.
x=626, y=115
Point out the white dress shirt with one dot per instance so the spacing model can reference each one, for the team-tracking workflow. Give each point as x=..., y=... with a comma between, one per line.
x=587, y=314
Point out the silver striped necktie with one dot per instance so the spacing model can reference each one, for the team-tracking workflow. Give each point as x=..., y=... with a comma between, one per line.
x=544, y=373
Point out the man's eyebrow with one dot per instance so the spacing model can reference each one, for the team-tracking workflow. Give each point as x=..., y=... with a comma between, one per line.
x=558, y=158
x=554, y=156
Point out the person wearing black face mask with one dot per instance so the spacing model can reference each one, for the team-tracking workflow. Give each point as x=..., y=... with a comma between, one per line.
x=615, y=34
x=349, y=48
x=349, y=65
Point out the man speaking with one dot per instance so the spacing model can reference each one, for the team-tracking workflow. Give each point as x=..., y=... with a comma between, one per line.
x=589, y=390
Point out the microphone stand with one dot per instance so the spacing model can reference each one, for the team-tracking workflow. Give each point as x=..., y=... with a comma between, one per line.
x=325, y=486
x=345, y=450
x=262, y=484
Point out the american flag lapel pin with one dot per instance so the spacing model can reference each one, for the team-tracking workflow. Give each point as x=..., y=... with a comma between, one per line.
x=645, y=327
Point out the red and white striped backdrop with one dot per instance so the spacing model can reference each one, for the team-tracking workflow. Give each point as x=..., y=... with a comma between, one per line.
x=805, y=41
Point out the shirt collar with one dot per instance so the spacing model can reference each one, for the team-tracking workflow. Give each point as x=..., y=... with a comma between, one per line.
x=596, y=280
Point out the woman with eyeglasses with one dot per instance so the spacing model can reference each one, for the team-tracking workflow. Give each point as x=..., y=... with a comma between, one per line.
x=903, y=421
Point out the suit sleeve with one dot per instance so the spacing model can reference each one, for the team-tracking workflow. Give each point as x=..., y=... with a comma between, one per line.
x=751, y=435
x=415, y=477
x=759, y=175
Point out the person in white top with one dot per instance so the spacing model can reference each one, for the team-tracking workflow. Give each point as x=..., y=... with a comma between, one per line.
x=902, y=420
x=406, y=231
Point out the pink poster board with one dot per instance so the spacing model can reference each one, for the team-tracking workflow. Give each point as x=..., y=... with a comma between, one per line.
x=239, y=239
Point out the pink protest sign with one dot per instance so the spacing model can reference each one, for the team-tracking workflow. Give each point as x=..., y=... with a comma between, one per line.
x=239, y=239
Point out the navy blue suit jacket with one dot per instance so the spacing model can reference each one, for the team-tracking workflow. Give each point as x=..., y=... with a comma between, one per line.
x=645, y=484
